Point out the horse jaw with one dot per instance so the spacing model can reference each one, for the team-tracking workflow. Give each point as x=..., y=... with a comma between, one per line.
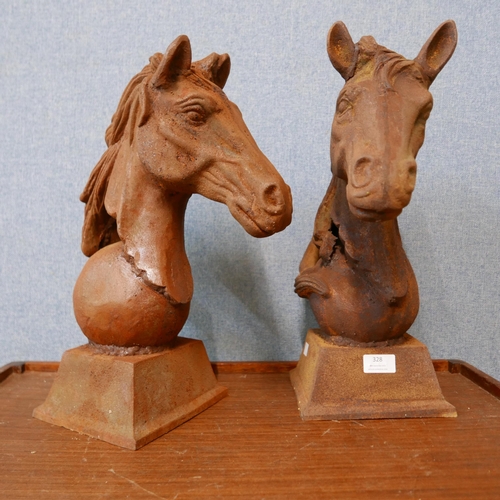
x=261, y=203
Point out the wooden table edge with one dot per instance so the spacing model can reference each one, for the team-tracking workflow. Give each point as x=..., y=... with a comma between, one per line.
x=470, y=372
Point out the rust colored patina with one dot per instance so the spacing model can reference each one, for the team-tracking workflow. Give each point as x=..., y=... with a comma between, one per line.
x=330, y=383
x=355, y=273
x=175, y=133
x=131, y=400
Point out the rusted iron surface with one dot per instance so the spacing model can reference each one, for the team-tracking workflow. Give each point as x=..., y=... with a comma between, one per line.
x=131, y=400
x=355, y=272
x=330, y=382
x=174, y=134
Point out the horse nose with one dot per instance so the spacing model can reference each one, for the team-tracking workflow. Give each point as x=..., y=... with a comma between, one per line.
x=273, y=198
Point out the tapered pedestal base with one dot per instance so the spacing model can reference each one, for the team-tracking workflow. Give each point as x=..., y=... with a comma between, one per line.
x=331, y=384
x=131, y=400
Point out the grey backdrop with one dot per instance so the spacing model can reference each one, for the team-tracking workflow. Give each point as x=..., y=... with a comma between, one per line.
x=63, y=68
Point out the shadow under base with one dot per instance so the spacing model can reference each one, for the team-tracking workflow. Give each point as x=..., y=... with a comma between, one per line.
x=330, y=382
x=131, y=400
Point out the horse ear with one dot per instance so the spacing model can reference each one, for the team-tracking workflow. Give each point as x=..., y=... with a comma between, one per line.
x=177, y=60
x=438, y=49
x=223, y=69
x=215, y=68
x=341, y=50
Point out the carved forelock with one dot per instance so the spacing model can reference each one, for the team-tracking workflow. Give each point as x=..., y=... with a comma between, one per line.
x=384, y=64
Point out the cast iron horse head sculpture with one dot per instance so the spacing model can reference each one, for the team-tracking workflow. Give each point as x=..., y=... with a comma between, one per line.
x=355, y=272
x=174, y=133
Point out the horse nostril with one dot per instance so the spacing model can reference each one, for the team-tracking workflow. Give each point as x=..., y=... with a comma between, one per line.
x=272, y=197
x=362, y=172
x=412, y=175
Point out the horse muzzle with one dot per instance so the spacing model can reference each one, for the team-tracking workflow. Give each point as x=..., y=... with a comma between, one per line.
x=266, y=213
x=375, y=205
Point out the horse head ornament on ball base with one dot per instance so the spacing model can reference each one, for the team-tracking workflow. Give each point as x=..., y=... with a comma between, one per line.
x=355, y=273
x=175, y=133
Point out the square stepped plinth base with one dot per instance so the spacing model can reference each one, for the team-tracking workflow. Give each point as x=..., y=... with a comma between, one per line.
x=131, y=400
x=330, y=382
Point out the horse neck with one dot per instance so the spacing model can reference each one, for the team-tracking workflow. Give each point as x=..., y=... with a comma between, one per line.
x=150, y=222
x=372, y=248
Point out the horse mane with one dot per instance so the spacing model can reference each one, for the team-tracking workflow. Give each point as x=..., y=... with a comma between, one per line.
x=99, y=228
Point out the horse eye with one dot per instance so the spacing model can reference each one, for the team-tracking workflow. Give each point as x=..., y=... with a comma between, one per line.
x=343, y=106
x=196, y=115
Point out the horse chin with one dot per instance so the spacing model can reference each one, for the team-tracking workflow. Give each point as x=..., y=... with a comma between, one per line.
x=374, y=215
x=251, y=226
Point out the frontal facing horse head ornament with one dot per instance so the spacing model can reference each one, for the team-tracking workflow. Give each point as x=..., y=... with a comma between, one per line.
x=355, y=272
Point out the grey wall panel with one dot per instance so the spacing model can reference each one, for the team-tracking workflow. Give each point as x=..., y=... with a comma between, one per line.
x=63, y=66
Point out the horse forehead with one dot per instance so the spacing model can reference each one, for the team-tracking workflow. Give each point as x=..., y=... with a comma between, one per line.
x=405, y=89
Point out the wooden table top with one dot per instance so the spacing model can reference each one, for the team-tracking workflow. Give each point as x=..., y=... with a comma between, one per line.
x=254, y=445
